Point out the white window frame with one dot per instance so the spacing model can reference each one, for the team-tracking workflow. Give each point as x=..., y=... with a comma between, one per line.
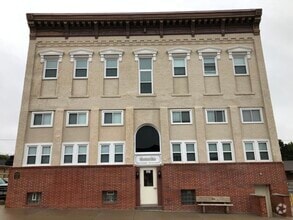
x=81, y=53
x=42, y=126
x=113, y=111
x=181, y=110
x=183, y=150
x=179, y=53
x=45, y=54
x=209, y=52
x=145, y=53
x=75, y=153
x=216, y=109
x=39, y=154
x=76, y=125
x=255, y=144
x=112, y=145
x=252, y=122
x=240, y=51
x=220, y=151
x=111, y=53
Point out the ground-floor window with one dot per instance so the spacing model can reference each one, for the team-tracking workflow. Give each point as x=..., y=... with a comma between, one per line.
x=109, y=196
x=187, y=196
x=34, y=198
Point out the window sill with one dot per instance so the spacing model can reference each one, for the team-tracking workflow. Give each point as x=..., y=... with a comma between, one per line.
x=213, y=94
x=111, y=96
x=146, y=95
x=82, y=96
x=244, y=93
x=48, y=97
x=180, y=95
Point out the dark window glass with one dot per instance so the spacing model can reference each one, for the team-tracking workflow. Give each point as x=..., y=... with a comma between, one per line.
x=104, y=158
x=118, y=157
x=109, y=196
x=81, y=158
x=147, y=140
x=34, y=197
x=50, y=73
x=187, y=197
x=111, y=72
x=179, y=71
x=190, y=157
x=38, y=119
x=67, y=158
x=145, y=87
x=73, y=118
x=264, y=155
x=227, y=156
x=81, y=73
x=176, y=156
x=148, y=178
x=108, y=118
x=250, y=156
x=45, y=159
x=213, y=156
x=220, y=116
x=185, y=117
x=31, y=159
x=240, y=70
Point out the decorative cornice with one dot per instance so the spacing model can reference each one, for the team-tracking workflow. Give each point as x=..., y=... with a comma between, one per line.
x=179, y=51
x=142, y=24
x=145, y=52
x=242, y=50
x=209, y=50
x=81, y=52
x=51, y=52
x=111, y=51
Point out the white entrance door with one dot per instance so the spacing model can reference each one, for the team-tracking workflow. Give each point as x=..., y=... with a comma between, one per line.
x=148, y=186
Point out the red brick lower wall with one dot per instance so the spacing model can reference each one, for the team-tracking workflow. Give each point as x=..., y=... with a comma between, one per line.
x=82, y=186
x=73, y=187
x=236, y=180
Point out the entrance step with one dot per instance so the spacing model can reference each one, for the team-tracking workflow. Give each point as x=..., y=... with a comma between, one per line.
x=149, y=207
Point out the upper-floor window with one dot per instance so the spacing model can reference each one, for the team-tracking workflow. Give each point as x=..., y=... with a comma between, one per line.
x=111, y=59
x=145, y=58
x=42, y=119
x=209, y=57
x=111, y=153
x=81, y=59
x=77, y=118
x=239, y=55
x=183, y=151
x=251, y=115
x=74, y=153
x=37, y=154
x=216, y=116
x=51, y=59
x=112, y=117
x=179, y=57
x=181, y=117
x=220, y=151
x=257, y=150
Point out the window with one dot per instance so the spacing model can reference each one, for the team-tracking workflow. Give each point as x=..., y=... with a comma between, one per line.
x=112, y=117
x=179, y=57
x=74, y=153
x=111, y=153
x=111, y=58
x=145, y=76
x=216, y=116
x=42, y=119
x=253, y=115
x=220, y=151
x=77, y=118
x=37, y=154
x=187, y=196
x=51, y=59
x=179, y=66
x=51, y=67
x=145, y=58
x=181, y=116
x=183, y=151
x=209, y=65
x=209, y=58
x=81, y=59
x=109, y=196
x=33, y=198
x=239, y=55
x=256, y=150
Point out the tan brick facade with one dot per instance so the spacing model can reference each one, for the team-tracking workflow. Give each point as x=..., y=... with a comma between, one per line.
x=48, y=141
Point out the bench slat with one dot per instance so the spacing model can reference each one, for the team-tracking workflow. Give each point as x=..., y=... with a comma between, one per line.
x=213, y=204
x=213, y=199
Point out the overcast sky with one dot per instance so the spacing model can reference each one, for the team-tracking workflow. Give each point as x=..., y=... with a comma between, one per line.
x=276, y=32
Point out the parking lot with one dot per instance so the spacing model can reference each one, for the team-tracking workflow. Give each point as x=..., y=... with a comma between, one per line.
x=96, y=214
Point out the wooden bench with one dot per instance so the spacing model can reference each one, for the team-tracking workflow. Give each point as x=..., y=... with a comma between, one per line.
x=214, y=201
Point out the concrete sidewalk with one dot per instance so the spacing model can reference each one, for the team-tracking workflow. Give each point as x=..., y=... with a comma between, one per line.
x=98, y=214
